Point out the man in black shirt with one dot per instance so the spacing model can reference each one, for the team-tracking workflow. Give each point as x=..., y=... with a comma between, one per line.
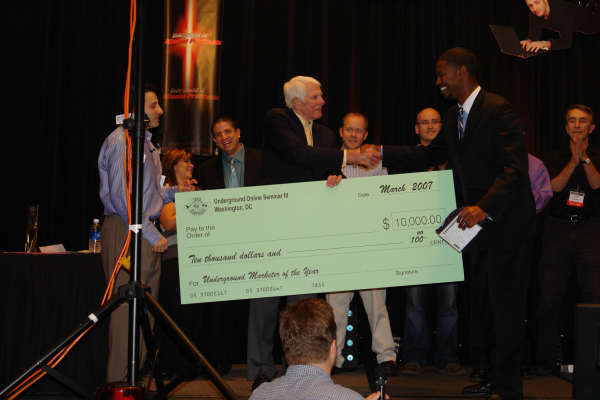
x=572, y=232
x=562, y=17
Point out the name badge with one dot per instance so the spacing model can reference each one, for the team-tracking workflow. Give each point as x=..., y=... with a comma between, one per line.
x=576, y=198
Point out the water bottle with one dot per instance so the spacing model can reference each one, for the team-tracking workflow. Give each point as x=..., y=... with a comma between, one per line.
x=95, y=236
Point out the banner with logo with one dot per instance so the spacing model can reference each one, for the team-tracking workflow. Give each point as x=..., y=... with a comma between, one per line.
x=191, y=73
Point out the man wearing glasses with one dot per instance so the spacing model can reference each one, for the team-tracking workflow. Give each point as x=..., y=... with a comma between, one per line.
x=428, y=124
x=416, y=334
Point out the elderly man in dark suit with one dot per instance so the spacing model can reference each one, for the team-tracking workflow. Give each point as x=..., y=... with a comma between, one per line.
x=235, y=165
x=296, y=149
x=483, y=137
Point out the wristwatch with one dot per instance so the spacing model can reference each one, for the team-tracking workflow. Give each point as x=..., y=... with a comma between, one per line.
x=587, y=160
x=544, y=46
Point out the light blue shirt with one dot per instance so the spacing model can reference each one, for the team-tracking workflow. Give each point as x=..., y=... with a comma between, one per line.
x=112, y=183
x=468, y=105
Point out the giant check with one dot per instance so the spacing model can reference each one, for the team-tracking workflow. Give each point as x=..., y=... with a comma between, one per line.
x=307, y=238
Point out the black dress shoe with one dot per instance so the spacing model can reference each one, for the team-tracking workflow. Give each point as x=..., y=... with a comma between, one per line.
x=222, y=368
x=259, y=381
x=478, y=375
x=480, y=389
x=544, y=368
x=387, y=367
x=526, y=374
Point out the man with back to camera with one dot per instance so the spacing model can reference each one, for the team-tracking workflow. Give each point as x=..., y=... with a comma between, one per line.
x=416, y=334
x=295, y=149
x=235, y=166
x=307, y=329
x=483, y=138
x=571, y=233
x=354, y=131
x=116, y=222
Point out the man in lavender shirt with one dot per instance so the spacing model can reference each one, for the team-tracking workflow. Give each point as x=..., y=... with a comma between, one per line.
x=115, y=225
x=540, y=183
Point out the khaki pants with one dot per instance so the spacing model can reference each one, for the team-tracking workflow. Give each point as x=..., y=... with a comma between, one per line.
x=114, y=233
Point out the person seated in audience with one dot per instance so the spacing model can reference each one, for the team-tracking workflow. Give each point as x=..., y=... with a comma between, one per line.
x=307, y=330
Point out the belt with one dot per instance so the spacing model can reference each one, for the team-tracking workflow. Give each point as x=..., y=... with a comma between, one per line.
x=573, y=218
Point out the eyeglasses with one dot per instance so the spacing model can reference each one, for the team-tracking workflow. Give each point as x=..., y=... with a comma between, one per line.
x=426, y=123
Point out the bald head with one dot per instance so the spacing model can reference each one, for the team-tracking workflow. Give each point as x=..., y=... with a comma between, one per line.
x=428, y=125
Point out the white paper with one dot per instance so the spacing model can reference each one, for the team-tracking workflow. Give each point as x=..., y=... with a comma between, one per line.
x=457, y=237
x=55, y=248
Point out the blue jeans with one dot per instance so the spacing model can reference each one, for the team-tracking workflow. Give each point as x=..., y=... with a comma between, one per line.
x=416, y=334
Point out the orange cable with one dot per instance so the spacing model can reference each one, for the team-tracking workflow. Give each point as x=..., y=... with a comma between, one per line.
x=52, y=363
x=37, y=375
x=126, y=152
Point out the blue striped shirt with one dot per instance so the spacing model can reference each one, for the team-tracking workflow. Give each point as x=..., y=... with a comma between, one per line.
x=112, y=183
x=304, y=382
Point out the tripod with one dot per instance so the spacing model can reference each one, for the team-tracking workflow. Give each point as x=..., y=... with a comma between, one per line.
x=129, y=292
x=134, y=292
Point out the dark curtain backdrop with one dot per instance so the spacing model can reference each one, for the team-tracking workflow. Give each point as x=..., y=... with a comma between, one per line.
x=64, y=61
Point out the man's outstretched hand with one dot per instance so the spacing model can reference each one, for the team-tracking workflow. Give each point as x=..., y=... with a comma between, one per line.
x=368, y=155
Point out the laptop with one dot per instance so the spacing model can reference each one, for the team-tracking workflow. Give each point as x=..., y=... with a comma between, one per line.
x=509, y=42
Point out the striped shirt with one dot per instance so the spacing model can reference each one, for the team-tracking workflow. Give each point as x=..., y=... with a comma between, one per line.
x=112, y=183
x=304, y=382
x=358, y=171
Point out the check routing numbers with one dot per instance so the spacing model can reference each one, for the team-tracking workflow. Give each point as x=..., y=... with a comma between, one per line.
x=306, y=238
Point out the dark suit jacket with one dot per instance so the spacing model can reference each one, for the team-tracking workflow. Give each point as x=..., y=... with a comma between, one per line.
x=210, y=173
x=288, y=158
x=490, y=167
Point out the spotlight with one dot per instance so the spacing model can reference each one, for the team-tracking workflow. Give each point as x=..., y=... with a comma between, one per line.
x=350, y=350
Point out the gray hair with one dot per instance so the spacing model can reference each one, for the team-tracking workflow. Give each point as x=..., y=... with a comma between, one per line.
x=583, y=108
x=296, y=88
